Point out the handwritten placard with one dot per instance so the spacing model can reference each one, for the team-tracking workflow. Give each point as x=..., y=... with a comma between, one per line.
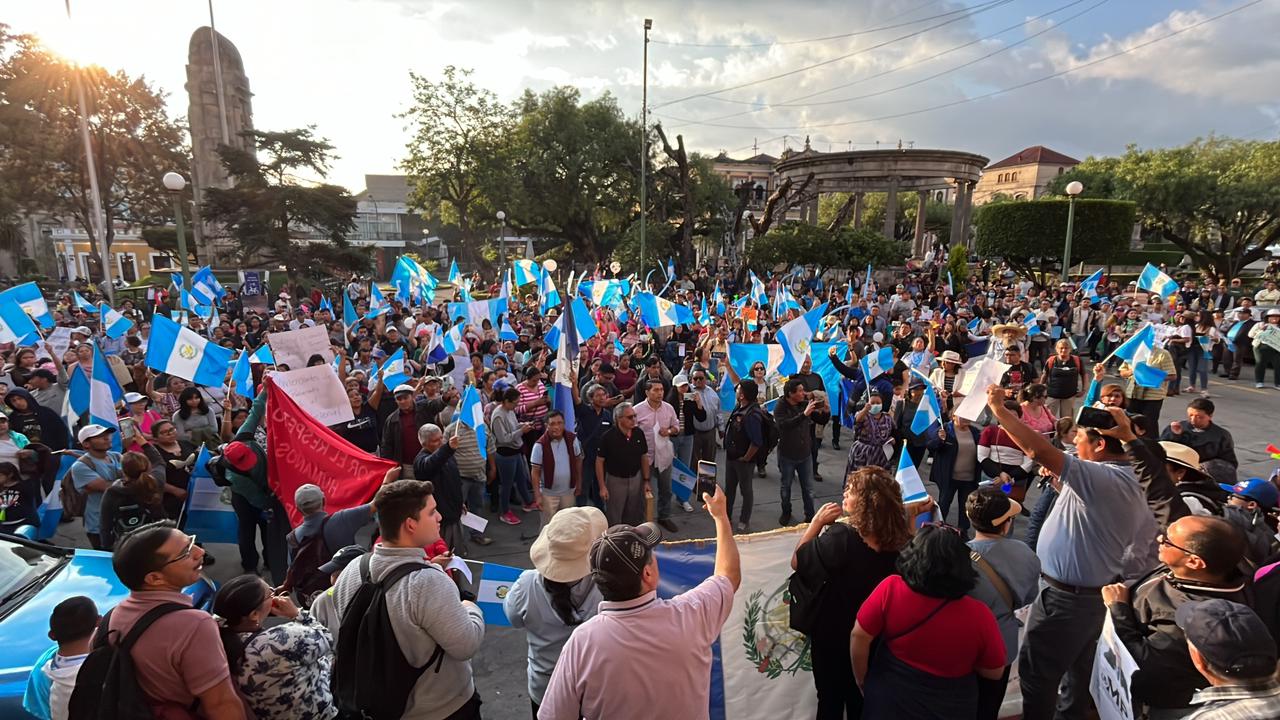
x=318, y=391
x=295, y=347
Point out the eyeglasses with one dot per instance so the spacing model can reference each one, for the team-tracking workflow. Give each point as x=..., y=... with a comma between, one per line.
x=1163, y=539
x=184, y=554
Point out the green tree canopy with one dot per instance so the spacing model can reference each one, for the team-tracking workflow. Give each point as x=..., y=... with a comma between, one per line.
x=274, y=218
x=1217, y=199
x=1031, y=234
x=805, y=244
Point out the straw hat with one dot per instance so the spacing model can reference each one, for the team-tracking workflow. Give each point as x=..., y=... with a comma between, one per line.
x=950, y=356
x=562, y=551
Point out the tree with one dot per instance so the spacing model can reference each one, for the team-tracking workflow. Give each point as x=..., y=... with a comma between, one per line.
x=576, y=169
x=459, y=157
x=801, y=243
x=42, y=164
x=1030, y=234
x=1217, y=199
x=958, y=264
x=690, y=198
x=274, y=218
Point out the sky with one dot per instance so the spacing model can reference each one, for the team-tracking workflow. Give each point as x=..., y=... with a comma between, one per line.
x=845, y=74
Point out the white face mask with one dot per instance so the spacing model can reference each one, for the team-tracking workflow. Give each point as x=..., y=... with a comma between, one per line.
x=874, y=409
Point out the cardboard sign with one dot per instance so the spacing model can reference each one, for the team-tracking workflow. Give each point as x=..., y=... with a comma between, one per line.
x=60, y=340
x=318, y=391
x=295, y=347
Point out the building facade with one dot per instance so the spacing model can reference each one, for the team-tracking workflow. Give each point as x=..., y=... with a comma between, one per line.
x=1025, y=175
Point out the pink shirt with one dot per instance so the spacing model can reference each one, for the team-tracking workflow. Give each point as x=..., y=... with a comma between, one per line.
x=180, y=656
x=661, y=451
x=597, y=675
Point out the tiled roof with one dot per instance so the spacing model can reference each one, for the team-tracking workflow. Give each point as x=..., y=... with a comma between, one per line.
x=1035, y=155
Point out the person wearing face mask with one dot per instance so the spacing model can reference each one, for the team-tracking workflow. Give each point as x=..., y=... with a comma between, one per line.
x=872, y=428
x=1008, y=579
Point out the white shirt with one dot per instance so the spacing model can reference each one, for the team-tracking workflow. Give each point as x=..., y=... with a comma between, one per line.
x=562, y=483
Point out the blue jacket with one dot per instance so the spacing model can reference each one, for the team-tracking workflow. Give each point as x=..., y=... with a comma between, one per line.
x=944, y=454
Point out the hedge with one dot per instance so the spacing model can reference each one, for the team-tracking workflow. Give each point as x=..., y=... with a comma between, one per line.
x=1024, y=230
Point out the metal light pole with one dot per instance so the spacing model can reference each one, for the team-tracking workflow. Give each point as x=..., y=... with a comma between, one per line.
x=1074, y=188
x=644, y=138
x=174, y=183
x=502, y=242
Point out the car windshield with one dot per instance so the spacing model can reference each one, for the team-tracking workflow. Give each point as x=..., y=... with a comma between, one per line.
x=20, y=565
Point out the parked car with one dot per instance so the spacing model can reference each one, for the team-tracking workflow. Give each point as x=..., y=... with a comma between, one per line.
x=34, y=577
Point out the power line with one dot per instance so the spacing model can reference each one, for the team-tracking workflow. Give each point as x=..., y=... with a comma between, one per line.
x=841, y=36
x=793, y=102
x=796, y=71
x=994, y=93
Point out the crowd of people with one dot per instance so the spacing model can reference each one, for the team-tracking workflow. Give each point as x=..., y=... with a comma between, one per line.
x=1138, y=517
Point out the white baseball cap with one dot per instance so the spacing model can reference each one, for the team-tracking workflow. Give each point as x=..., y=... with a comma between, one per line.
x=92, y=431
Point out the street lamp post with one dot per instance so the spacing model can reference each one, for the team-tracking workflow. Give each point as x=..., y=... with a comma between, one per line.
x=1074, y=188
x=502, y=240
x=644, y=138
x=174, y=183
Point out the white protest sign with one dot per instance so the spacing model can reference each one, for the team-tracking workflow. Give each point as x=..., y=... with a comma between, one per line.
x=973, y=385
x=1113, y=666
x=59, y=339
x=318, y=391
x=295, y=347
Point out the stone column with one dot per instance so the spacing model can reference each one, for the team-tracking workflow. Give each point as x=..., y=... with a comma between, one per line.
x=811, y=209
x=858, y=199
x=918, y=244
x=967, y=213
x=891, y=208
x=957, y=213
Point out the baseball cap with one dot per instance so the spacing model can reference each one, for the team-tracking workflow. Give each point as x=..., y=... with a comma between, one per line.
x=341, y=559
x=92, y=431
x=402, y=388
x=621, y=553
x=308, y=498
x=679, y=380
x=1273, y=312
x=81, y=330
x=239, y=456
x=1230, y=636
x=133, y=397
x=1255, y=489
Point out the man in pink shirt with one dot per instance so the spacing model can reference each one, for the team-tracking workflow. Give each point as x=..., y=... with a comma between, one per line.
x=596, y=676
x=179, y=658
x=658, y=420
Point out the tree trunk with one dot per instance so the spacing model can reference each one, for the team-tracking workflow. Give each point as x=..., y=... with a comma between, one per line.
x=844, y=214
x=681, y=159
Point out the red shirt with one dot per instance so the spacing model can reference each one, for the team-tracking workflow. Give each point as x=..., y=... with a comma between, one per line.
x=960, y=638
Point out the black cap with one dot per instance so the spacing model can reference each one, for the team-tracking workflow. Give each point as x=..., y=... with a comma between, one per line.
x=622, y=552
x=341, y=559
x=1230, y=636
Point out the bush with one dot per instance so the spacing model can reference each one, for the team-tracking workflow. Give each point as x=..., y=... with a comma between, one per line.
x=803, y=244
x=1030, y=235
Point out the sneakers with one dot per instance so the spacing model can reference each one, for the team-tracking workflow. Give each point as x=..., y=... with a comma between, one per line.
x=509, y=518
x=784, y=520
x=1259, y=385
x=741, y=528
x=668, y=524
x=532, y=507
x=687, y=507
x=483, y=540
x=759, y=471
x=1205, y=394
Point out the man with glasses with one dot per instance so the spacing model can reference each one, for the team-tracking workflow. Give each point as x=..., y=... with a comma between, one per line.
x=704, y=431
x=1199, y=559
x=178, y=658
x=622, y=465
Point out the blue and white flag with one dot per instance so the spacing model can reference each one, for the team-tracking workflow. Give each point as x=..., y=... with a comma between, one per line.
x=876, y=364
x=478, y=311
x=548, y=296
x=758, y=293
x=208, y=510
x=1144, y=373
x=743, y=355
x=455, y=276
x=507, y=332
x=526, y=271
x=452, y=340
x=262, y=356
x=928, y=412
x=349, y=316
x=975, y=325
x=704, y=317
x=1232, y=334
x=179, y=351
x=394, y=371
x=565, y=373
x=1029, y=322
x=83, y=304
x=31, y=300
x=492, y=582
x=205, y=288
x=471, y=413
x=77, y=402
x=326, y=305
x=411, y=279
x=242, y=376
x=848, y=294
x=951, y=285
x=1089, y=286
x=606, y=293
x=908, y=478
x=582, y=324
x=683, y=481
x=378, y=305
x=866, y=283
x=1142, y=340
x=113, y=323
x=15, y=325
x=435, y=351
x=796, y=336
x=717, y=299
x=104, y=393
x=1153, y=280
x=659, y=312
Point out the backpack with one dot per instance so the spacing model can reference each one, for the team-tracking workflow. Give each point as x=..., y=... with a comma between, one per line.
x=736, y=442
x=73, y=501
x=304, y=576
x=217, y=468
x=806, y=597
x=371, y=677
x=131, y=517
x=107, y=684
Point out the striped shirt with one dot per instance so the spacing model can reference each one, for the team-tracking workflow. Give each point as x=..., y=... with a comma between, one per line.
x=528, y=396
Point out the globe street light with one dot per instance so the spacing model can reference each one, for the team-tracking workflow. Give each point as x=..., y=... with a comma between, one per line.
x=1074, y=188
x=502, y=240
x=174, y=183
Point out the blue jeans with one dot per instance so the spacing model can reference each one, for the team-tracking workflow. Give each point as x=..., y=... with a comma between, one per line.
x=804, y=469
x=513, y=474
x=683, y=445
x=1198, y=364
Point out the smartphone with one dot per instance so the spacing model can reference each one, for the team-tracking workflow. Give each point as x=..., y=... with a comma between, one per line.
x=690, y=397
x=706, y=478
x=1095, y=418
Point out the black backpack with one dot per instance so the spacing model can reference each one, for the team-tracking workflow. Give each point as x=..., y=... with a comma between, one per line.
x=107, y=684
x=736, y=442
x=131, y=516
x=304, y=576
x=371, y=677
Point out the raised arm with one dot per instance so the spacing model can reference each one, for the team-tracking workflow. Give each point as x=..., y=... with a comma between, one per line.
x=1036, y=446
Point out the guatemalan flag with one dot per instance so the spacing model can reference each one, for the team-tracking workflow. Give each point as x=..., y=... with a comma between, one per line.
x=113, y=323
x=1089, y=286
x=31, y=300
x=659, y=312
x=378, y=305
x=526, y=272
x=15, y=324
x=1157, y=282
x=104, y=393
x=909, y=478
x=866, y=283
x=179, y=351
x=547, y=292
x=326, y=305
x=704, y=317
x=471, y=413
x=242, y=376
x=1136, y=351
x=205, y=288
x=566, y=370
x=394, y=372
x=83, y=304
x=876, y=364
x=717, y=299
x=455, y=276
x=1029, y=322
x=928, y=412
x=582, y=323
x=743, y=355
x=795, y=337
x=208, y=510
